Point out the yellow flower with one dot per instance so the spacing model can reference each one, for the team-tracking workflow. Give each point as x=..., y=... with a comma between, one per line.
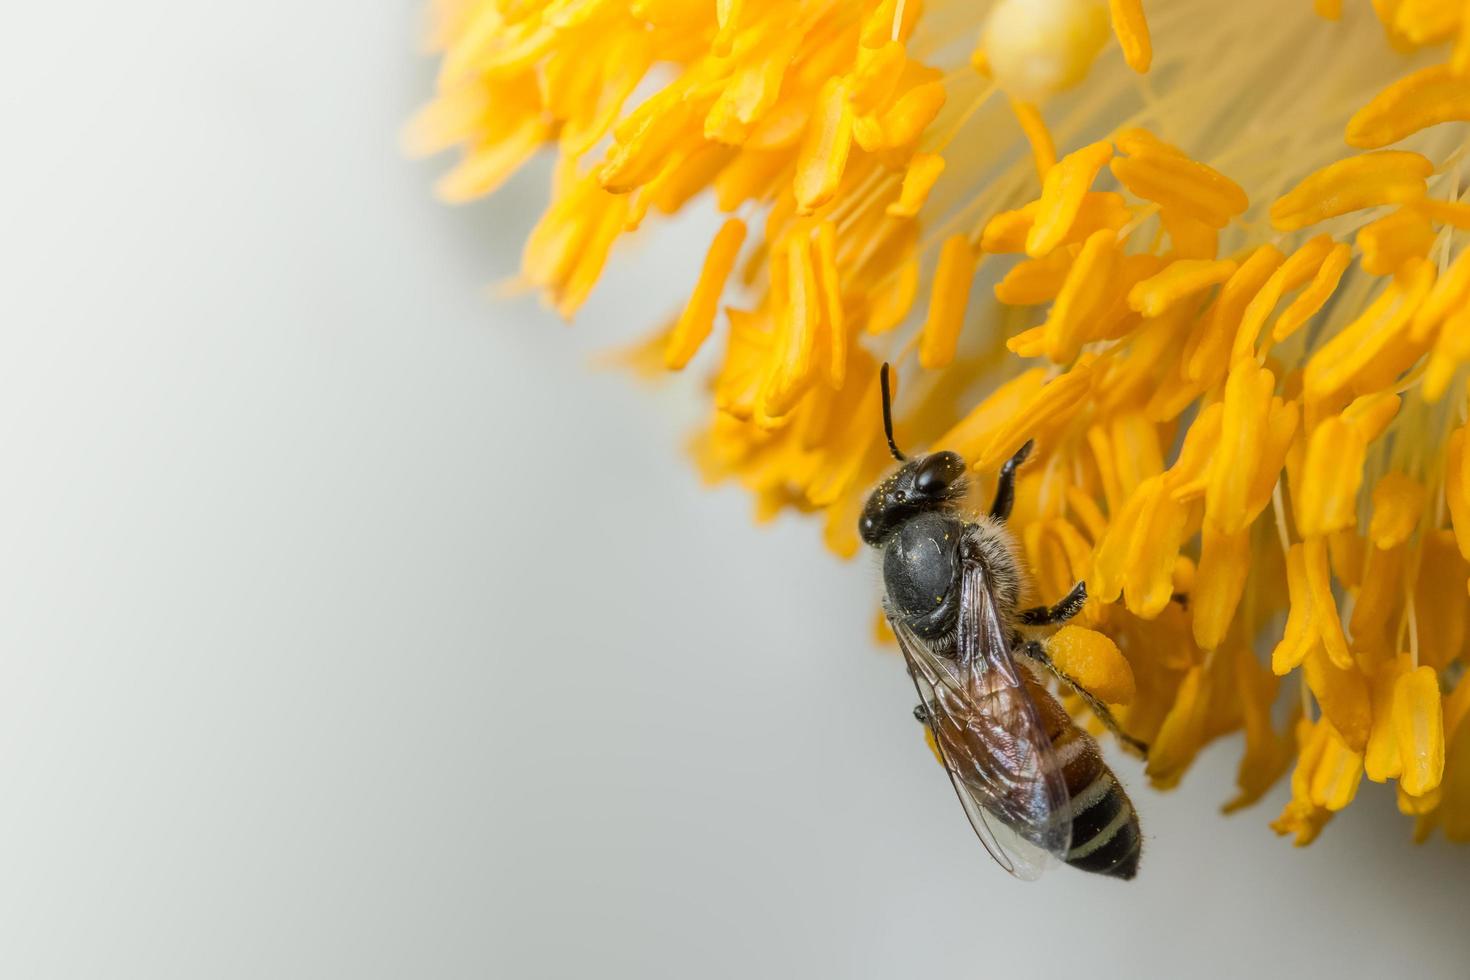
x=1206, y=255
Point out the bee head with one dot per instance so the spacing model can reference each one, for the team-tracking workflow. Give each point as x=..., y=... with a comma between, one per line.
x=930, y=482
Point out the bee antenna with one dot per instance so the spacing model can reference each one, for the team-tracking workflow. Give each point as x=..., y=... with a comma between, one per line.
x=888, y=413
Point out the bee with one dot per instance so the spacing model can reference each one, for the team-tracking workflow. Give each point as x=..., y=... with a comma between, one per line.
x=1033, y=784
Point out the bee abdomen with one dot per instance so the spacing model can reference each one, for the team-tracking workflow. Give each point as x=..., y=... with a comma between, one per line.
x=1105, y=834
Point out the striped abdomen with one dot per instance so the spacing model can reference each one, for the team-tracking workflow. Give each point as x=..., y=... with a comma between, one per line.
x=1105, y=834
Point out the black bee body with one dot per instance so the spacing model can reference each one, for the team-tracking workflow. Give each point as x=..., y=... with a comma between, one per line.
x=1033, y=784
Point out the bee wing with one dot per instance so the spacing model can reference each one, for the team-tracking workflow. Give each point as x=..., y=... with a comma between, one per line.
x=985, y=725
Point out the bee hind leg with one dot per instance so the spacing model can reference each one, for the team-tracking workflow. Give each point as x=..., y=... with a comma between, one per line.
x=1070, y=605
x=1005, y=488
x=1037, y=654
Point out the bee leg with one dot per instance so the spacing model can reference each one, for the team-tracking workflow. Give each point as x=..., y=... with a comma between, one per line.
x=1034, y=652
x=1070, y=606
x=1005, y=489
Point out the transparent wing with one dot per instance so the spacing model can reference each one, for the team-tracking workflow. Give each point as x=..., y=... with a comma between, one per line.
x=990, y=738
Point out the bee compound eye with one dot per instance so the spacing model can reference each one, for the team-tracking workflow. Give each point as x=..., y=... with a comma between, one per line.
x=936, y=473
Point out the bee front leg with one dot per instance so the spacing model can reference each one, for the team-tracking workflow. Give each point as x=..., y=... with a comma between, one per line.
x=1070, y=606
x=1036, y=653
x=1005, y=489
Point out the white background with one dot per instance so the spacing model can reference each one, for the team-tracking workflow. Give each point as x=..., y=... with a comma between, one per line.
x=353, y=625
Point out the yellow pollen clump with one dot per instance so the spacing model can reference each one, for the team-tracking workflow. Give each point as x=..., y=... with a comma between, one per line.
x=1231, y=311
x=1093, y=660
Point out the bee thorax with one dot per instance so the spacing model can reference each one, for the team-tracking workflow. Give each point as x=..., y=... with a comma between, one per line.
x=921, y=566
x=992, y=545
x=922, y=563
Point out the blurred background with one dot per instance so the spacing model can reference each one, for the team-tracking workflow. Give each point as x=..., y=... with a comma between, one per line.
x=354, y=623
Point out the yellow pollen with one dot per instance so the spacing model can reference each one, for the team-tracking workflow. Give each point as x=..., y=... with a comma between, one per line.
x=1398, y=503
x=1426, y=98
x=1364, y=181
x=1094, y=661
x=1132, y=31
x=823, y=156
x=923, y=170
x=947, y=303
x=1062, y=193
x=1043, y=148
x=1392, y=240
x=697, y=319
x=1180, y=279
x=1419, y=730
x=1315, y=296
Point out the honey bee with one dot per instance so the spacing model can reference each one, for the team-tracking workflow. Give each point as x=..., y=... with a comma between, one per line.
x=1033, y=784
